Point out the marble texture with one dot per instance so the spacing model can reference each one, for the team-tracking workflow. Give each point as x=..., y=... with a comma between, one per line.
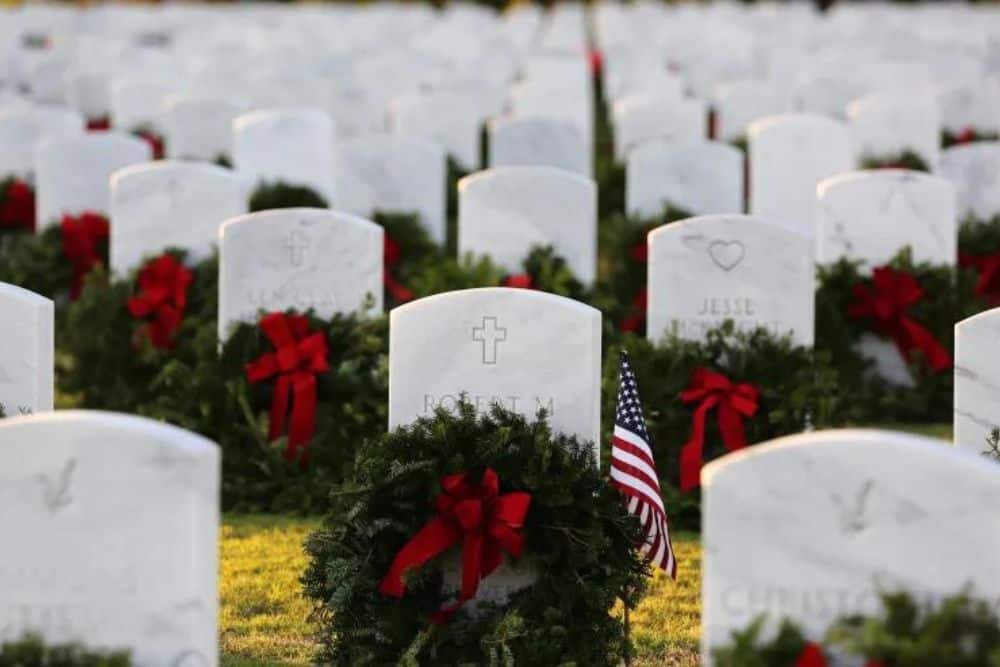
x=169, y=204
x=506, y=211
x=570, y=100
x=28, y=351
x=641, y=117
x=886, y=124
x=22, y=129
x=871, y=215
x=707, y=269
x=977, y=380
x=700, y=177
x=117, y=521
x=974, y=170
x=199, y=128
x=521, y=348
x=538, y=142
x=298, y=258
x=970, y=103
x=394, y=174
x=452, y=119
x=811, y=526
x=737, y=104
x=290, y=145
x=138, y=102
x=72, y=174
x=789, y=155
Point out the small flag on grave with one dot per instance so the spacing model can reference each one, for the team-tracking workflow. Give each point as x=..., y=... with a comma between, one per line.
x=633, y=472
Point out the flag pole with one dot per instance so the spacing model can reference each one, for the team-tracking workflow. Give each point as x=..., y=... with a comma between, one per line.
x=628, y=637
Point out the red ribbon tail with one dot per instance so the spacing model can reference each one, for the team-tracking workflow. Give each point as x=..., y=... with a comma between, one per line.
x=303, y=423
x=691, y=454
x=919, y=337
x=435, y=537
x=811, y=656
x=279, y=406
x=731, y=427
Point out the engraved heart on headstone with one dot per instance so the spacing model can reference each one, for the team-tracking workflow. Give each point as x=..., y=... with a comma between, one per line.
x=726, y=254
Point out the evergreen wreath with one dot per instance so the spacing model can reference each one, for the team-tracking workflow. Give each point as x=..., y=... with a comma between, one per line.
x=109, y=360
x=408, y=251
x=906, y=159
x=979, y=253
x=17, y=207
x=946, y=299
x=577, y=534
x=212, y=395
x=32, y=651
x=959, y=631
x=798, y=387
x=268, y=196
x=966, y=136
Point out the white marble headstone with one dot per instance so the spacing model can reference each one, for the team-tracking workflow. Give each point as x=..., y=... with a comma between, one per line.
x=452, y=119
x=199, y=128
x=639, y=118
x=886, y=124
x=506, y=211
x=789, y=155
x=21, y=130
x=395, y=175
x=540, y=142
x=872, y=215
x=297, y=258
x=705, y=270
x=700, y=177
x=831, y=517
x=138, y=103
x=974, y=169
x=72, y=174
x=977, y=380
x=294, y=146
x=117, y=521
x=737, y=104
x=27, y=353
x=523, y=349
x=168, y=204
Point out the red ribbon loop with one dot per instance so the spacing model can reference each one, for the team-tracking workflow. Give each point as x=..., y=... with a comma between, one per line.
x=392, y=254
x=297, y=358
x=487, y=523
x=17, y=207
x=519, y=281
x=812, y=656
x=163, y=286
x=734, y=402
x=886, y=303
x=80, y=237
x=988, y=268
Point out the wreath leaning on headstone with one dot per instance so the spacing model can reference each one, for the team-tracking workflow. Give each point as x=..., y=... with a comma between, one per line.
x=443, y=500
x=31, y=651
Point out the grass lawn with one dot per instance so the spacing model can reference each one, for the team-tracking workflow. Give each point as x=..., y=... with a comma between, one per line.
x=263, y=619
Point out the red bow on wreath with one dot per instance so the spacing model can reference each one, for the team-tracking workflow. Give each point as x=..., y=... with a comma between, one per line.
x=297, y=358
x=17, y=207
x=988, y=268
x=392, y=254
x=487, y=523
x=967, y=135
x=163, y=286
x=81, y=236
x=154, y=141
x=734, y=402
x=886, y=303
x=812, y=656
x=519, y=281
x=101, y=124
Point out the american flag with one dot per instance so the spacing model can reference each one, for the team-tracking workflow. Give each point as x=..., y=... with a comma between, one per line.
x=633, y=472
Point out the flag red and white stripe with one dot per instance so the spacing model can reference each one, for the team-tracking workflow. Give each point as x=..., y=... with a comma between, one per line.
x=633, y=472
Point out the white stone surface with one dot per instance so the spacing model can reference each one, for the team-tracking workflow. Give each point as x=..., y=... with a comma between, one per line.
x=886, y=124
x=974, y=170
x=72, y=174
x=506, y=211
x=294, y=146
x=168, y=204
x=705, y=270
x=830, y=517
x=199, y=128
x=117, y=521
x=393, y=174
x=298, y=258
x=640, y=117
x=21, y=130
x=138, y=103
x=452, y=119
x=872, y=215
x=737, y=104
x=977, y=380
x=538, y=142
x=523, y=349
x=700, y=177
x=27, y=353
x=789, y=155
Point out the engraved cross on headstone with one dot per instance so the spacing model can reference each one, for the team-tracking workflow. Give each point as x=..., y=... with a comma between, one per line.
x=296, y=244
x=490, y=335
x=173, y=188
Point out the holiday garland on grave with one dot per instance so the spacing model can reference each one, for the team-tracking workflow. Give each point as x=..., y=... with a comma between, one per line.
x=906, y=159
x=732, y=390
x=268, y=196
x=153, y=139
x=33, y=651
x=960, y=631
x=913, y=307
x=121, y=334
x=416, y=489
x=966, y=136
x=979, y=252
